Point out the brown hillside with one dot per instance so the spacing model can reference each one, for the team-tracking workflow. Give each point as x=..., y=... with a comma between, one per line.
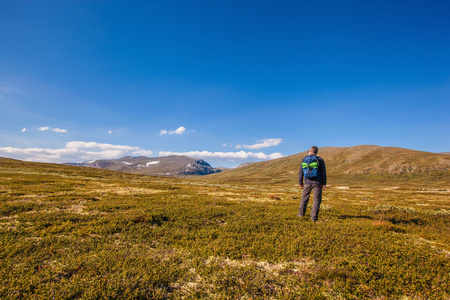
x=364, y=160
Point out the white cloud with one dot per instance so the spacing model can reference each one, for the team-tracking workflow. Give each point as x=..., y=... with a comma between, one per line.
x=179, y=130
x=241, y=155
x=143, y=152
x=58, y=130
x=75, y=151
x=110, y=131
x=262, y=144
x=95, y=145
x=24, y=129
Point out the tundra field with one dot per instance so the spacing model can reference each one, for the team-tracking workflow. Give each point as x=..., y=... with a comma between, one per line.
x=79, y=233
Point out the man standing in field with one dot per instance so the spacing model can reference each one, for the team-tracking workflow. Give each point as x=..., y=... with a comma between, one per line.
x=314, y=173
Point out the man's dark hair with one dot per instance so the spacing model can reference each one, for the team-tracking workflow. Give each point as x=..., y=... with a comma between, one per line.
x=314, y=149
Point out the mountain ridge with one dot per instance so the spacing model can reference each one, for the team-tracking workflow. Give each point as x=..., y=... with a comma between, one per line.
x=173, y=165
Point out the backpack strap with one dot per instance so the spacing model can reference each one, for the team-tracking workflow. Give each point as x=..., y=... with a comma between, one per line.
x=314, y=164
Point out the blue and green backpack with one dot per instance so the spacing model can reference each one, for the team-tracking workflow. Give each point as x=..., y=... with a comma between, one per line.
x=310, y=166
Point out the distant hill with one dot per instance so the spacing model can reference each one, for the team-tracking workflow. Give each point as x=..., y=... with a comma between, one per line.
x=448, y=153
x=344, y=161
x=173, y=165
x=245, y=164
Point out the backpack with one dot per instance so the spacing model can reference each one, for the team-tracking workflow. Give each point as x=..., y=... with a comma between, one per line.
x=310, y=166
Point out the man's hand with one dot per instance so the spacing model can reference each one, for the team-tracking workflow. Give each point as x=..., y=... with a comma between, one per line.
x=302, y=185
x=324, y=187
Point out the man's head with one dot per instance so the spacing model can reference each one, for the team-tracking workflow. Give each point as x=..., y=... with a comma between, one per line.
x=313, y=150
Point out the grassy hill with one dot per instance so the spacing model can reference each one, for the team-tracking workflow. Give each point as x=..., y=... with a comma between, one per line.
x=360, y=164
x=82, y=233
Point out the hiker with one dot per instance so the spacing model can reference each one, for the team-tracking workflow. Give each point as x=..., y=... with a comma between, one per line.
x=315, y=175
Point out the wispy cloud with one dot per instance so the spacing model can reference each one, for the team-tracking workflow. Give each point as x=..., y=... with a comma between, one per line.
x=265, y=143
x=240, y=155
x=95, y=145
x=47, y=128
x=59, y=130
x=179, y=130
x=143, y=152
x=7, y=90
x=75, y=151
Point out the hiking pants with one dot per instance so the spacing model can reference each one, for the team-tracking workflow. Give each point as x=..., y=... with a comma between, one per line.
x=317, y=190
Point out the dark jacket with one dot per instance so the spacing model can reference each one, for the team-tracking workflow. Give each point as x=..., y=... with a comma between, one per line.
x=322, y=172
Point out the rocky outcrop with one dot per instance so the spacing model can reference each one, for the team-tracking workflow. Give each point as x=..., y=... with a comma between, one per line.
x=198, y=167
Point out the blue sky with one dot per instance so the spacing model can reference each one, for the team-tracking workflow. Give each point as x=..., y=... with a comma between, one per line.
x=226, y=81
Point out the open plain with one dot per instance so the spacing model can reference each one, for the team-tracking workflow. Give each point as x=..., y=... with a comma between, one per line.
x=71, y=232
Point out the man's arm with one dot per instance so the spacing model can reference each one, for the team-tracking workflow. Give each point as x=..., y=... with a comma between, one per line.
x=300, y=177
x=323, y=173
